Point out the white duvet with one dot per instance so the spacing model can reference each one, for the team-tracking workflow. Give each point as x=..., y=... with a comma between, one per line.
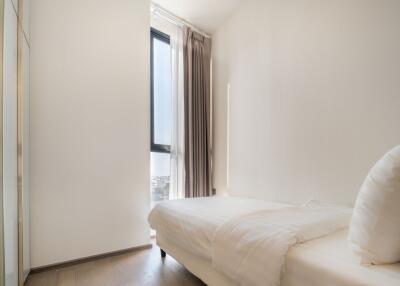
x=192, y=223
x=251, y=249
x=247, y=240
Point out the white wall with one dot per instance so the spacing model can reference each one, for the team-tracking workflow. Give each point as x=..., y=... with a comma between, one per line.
x=89, y=127
x=315, y=96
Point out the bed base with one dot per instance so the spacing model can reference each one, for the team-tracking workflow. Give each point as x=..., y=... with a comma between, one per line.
x=198, y=266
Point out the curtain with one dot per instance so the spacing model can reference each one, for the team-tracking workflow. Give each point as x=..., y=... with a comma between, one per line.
x=177, y=178
x=197, y=102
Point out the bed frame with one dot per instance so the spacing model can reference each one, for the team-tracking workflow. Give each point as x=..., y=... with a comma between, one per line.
x=198, y=266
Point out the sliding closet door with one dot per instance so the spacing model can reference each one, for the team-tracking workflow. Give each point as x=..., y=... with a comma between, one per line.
x=14, y=132
x=10, y=195
x=26, y=264
x=1, y=148
x=23, y=138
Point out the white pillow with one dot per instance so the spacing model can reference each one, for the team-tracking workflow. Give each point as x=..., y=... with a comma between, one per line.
x=374, y=233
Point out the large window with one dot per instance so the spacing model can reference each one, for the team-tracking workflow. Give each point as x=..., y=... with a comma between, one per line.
x=161, y=115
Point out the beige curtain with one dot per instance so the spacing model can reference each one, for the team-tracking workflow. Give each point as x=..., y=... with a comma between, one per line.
x=197, y=59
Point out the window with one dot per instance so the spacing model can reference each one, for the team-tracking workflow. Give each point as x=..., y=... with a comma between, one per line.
x=160, y=92
x=161, y=115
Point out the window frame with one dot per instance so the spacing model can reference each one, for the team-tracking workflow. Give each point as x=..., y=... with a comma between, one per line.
x=155, y=34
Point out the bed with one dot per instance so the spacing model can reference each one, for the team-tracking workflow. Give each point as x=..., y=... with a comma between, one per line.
x=186, y=230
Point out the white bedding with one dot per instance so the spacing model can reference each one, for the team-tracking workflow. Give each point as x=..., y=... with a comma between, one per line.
x=193, y=222
x=329, y=261
x=325, y=261
x=251, y=249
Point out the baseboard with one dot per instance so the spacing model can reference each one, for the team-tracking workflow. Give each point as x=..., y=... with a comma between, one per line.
x=87, y=259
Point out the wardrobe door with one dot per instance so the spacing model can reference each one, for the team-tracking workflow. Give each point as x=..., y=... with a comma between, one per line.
x=1, y=148
x=23, y=140
x=10, y=195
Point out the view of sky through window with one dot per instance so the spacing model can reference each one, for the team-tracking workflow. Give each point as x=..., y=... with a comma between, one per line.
x=162, y=93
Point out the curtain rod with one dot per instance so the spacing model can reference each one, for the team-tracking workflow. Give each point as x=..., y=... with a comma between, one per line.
x=160, y=11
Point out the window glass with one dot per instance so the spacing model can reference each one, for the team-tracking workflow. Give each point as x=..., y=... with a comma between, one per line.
x=160, y=174
x=162, y=92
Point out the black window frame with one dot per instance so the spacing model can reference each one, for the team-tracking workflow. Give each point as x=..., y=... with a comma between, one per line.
x=155, y=34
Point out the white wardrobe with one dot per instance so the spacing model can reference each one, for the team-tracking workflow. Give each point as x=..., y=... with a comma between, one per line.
x=14, y=238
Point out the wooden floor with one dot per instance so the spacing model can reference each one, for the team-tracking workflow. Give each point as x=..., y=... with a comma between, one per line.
x=142, y=268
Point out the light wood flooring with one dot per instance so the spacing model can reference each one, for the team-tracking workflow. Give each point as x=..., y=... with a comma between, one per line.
x=141, y=268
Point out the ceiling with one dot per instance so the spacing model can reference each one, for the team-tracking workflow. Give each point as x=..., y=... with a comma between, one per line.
x=206, y=15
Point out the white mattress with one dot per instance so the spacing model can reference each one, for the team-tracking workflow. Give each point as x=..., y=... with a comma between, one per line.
x=190, y=225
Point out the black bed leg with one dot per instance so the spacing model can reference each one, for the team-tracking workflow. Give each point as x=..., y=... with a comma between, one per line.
x=163, y=254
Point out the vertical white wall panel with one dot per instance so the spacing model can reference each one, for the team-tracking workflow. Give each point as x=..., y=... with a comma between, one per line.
x=10, y=197
x=26, y=158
